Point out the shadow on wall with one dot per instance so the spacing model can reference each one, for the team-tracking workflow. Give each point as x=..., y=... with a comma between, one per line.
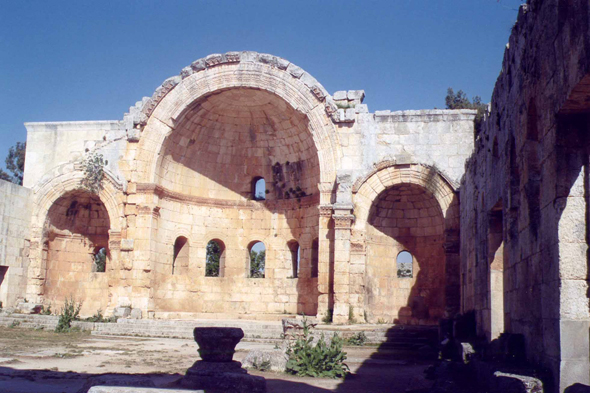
x=406, y=218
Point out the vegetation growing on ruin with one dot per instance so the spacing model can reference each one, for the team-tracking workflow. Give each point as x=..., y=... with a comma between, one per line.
x=322, y=359
x=327, y=319
x=459, y=100
x=359, y=338
x=68, y=314
x=94, y=173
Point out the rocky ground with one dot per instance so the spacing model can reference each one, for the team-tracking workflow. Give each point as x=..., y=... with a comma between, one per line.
x=46, y=362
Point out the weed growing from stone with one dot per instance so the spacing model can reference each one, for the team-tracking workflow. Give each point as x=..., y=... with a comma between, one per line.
x=94, y=173
x=46, y=311
x=69, y=313
x=322, y=360
x=359, y=339
x=327, y=319
x=351, y=318
x=99, y=317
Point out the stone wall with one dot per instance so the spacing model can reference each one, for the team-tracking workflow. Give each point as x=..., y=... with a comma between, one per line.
x=183, y=164
x=525, y=194
x=15, y=220
x=54, y=144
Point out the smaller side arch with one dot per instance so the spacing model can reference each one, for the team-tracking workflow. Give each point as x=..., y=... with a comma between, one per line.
x=367, y=189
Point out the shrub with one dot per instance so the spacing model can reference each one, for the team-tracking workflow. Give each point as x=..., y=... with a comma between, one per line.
x=46, y=311
x=99, y=317
x=94, y=173
x=359, y=339
x=328, y=317
x=69, y=313
x=262, y=366
x=351, y=318
x=320, y=360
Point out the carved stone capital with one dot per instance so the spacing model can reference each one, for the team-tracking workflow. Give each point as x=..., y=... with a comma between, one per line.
x=325, y=210
x=343, y=221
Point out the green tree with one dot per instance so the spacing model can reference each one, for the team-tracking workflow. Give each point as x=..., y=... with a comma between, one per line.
x=459, y=100
x=257, y=261
x=15, y=163
x=213, y=256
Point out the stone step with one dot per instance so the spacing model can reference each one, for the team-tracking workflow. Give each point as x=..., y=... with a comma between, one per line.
x=254, y=331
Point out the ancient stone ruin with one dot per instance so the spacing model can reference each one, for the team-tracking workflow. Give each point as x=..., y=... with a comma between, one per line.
x=217, y=369
x=402, y=217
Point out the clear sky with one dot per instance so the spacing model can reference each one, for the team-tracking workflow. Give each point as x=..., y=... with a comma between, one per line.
x=92, y=60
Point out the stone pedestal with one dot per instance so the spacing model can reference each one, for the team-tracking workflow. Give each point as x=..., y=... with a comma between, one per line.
x=217, y=370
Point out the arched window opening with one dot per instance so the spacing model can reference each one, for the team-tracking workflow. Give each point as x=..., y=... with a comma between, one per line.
x=99, y=258
x=315, y=258
x=215, y=261
x=181, y=255
x=259, y=189
x=405, y=265
x=256, y=259
x=295, y=251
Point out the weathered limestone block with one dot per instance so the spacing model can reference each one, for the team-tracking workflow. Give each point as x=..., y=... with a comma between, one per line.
x=122, y=312
x=217, y=370
x=276, y=359
x=28, y=308
x=217, y=344
x=516, y=383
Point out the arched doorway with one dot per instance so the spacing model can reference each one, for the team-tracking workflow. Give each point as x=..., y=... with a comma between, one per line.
x=76, y=251
x=405, y=256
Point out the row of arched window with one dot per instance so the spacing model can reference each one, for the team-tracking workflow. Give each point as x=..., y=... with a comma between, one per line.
x=255, y=258
x=215, y=258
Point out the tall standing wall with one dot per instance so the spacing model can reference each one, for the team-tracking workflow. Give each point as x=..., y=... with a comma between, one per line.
x=15, y=219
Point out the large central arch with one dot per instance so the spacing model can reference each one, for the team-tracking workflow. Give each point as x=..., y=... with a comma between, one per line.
x=172, y=109
x=205, y=143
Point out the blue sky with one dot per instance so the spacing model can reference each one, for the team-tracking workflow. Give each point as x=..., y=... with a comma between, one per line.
x=91, y=60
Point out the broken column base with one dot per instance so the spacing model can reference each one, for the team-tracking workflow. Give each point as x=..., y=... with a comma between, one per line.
x=226, y=376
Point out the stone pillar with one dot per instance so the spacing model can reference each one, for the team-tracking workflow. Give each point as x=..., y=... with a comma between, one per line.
x=113, y=268
x=325, y=262
x=358, y=261
x=452, y=274
x=343, y=220
x=37, y=270
x=574, y=318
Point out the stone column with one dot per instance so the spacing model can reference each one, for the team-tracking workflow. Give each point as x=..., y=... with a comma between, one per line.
x=452, y=274
x=37, y=270
x=113, y=267
x=343, y=220
x=325, y=262
x=358, y=260
x=574, y=318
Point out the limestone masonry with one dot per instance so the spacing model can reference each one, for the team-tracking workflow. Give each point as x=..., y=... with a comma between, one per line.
x=244, y=148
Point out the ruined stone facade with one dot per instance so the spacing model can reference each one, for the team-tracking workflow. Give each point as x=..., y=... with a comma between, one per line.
x=524, y=196
x=345, y=191
x=497, y=226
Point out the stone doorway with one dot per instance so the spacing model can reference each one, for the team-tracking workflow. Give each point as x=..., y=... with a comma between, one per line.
x=404, y=220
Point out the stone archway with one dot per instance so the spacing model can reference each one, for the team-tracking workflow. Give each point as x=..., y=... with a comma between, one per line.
x=208, y=136
x=407, y=208
x=68, y=226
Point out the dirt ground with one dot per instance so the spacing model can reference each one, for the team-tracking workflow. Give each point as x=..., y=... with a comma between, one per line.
x=46, y=362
